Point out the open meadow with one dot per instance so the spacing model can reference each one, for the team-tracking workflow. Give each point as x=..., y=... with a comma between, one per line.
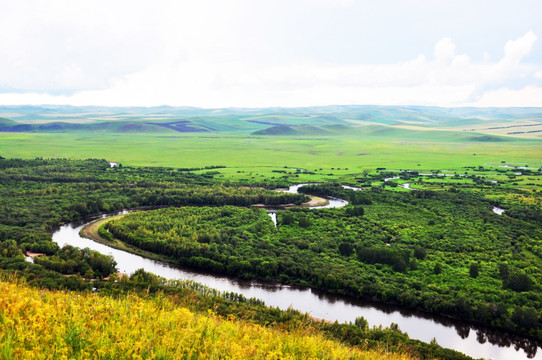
x=248, y=156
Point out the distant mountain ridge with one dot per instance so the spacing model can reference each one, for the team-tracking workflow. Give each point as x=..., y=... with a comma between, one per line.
x=273, y=121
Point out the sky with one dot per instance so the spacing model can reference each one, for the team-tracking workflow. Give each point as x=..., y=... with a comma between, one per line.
x=235, y=53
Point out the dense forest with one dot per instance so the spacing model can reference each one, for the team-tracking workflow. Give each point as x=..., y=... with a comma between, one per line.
x=39, y=195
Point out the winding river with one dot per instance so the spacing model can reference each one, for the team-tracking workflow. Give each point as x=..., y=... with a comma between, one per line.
x=471, y=340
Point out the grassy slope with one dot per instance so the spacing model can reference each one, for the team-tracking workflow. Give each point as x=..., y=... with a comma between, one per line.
x=6, y=122
x=44, y=324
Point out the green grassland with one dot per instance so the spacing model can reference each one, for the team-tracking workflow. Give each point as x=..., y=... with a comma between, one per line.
x=247, y=156
x=333, y=142
x=321, y=144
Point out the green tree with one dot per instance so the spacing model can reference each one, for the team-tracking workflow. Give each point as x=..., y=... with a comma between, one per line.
x=504, y=271
x=304, y=222
x=362, y=323
x=519, y=282
x=89, y=274
x=287, y=218
x=419, y=252
x=474, y=270
x=355, y=211
x=346, y=249
x=526, y=318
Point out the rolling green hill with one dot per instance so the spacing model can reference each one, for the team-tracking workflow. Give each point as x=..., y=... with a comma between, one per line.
x=471, y=124
x=301, y=130
x=6, y=122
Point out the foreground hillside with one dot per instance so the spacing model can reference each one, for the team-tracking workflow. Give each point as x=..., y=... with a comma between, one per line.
x=50, y=324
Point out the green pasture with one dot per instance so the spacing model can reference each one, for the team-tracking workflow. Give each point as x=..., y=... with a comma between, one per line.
x=247, y=156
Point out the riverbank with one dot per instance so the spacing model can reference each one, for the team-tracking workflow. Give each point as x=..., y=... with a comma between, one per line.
x=91, y=231
x=315, y=201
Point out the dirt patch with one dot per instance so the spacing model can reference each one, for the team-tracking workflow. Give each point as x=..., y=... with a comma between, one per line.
x=91, y=230
x=315, y=201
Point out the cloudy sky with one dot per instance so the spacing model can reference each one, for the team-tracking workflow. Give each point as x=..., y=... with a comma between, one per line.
x=216, y=53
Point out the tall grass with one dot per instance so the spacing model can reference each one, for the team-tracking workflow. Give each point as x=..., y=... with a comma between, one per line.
x=42, y=324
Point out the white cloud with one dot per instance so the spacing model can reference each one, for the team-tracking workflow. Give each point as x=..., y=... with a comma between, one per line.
x=444, y=49
x=43, y=43
x=205, y=53
x=454, y=82
x=331, y=3
x=514, y=52
x=517, y=49
x=529, y=96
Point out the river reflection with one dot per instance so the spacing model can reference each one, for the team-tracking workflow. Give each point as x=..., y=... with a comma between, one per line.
x=474, y=341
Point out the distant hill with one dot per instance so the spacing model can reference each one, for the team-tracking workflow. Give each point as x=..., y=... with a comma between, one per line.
x=106, y=127
x=301, y=130
x=302, y=121
x=277, y=130
x=6, y=122
x=183, y=126
x=489, y=138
